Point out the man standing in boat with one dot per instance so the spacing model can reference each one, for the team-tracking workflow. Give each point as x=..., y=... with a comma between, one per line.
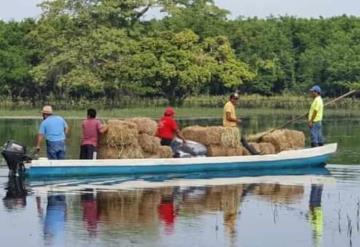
x=53, y=129
x=230, y=120
x=229, y=117
x=315, y=117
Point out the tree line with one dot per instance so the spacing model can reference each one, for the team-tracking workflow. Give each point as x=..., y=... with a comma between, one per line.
x=108, y=49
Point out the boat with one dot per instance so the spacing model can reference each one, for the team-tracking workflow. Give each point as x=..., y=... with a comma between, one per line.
x=292, y=159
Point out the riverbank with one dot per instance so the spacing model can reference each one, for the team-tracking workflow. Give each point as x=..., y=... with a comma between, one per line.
x=181, y=113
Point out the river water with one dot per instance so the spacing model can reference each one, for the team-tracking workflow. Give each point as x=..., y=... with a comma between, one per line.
x=316, y=207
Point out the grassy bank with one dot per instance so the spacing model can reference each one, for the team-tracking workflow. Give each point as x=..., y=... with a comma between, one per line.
x=287, y=102
x=182, y=113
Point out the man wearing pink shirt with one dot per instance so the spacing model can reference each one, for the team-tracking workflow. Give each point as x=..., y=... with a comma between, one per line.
x=91, y=129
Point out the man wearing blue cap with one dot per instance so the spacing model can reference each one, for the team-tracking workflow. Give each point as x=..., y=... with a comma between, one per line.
x=315, y=117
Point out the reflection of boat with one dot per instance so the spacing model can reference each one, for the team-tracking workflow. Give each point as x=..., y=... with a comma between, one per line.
x=310, y=157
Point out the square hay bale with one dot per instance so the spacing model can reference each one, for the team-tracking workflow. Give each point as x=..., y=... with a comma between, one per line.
x=256, y=146
x=213, y=135
x=217, y=151
x=278, y=139
x=165, y=152
x=204, y=135
x=266, y=148
x=120, y=133
x=296, y=139
x=230, y=137
x=124, y=152
x=149, y=144
x=239, y=151
x=105, y=152
x=145, y=125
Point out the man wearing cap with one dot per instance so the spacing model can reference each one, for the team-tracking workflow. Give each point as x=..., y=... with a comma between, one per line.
x=229, y=116
x=315, y=117
x=53, y=129
x=168, y=128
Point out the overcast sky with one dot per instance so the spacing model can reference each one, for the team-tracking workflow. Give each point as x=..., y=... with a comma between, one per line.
x=18, y=9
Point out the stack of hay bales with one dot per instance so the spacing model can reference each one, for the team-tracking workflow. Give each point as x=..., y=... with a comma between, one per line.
x=281, y=140
x=220, y=141
x=132, y=139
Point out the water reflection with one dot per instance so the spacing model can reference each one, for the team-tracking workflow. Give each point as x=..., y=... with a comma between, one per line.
x=316, y=213
x=90, y=211
x=16, y=193
x=88, y=214
x=55, y=220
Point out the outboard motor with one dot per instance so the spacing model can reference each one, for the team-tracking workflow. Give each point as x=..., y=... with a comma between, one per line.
x=15, y=157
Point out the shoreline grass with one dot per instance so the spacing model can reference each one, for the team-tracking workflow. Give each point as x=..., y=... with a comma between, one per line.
x=181, y=113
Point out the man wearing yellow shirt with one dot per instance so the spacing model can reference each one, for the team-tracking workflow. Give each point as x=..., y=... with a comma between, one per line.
x=229, y=117
x=315, y=117
x=230, y=120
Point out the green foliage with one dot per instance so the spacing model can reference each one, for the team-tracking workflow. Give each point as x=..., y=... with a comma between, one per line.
x=108, y=49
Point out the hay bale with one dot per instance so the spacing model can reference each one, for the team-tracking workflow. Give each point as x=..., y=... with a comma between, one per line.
x=145, y=125
x=131, y=152
x=105, y=152
x=164, y=152
x=296, y=139
x=125, y=152
x=258, y=136
x=282, y=140
x=149, y=144
x=213, y=135
x=246, y=152
x=278, y=139
x=204, y=135
x=218, y=151
x=239, y=151
x=266, y=148
x=120, y=133
x=230, y=137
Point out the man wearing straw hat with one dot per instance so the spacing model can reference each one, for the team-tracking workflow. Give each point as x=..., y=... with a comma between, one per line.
x=53, y=129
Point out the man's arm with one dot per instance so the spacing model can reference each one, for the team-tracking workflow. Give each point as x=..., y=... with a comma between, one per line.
x=66, y=127
x=230, y=119
x=39, y=139
x=178, y=134
x=311, y=121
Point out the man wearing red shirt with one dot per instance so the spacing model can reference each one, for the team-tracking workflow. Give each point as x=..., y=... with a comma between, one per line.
x=91, y=128
x=168, y=129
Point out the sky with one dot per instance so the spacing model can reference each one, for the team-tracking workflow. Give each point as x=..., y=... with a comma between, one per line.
x=19, y=9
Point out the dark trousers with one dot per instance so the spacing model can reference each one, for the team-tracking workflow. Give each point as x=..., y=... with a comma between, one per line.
x=87, y=152
x=165, y=142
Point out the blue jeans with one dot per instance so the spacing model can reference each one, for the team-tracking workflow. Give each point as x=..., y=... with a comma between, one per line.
x=316, y=136
x=55, y=150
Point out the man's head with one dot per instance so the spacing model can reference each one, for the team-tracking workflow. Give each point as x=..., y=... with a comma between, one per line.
x=169, y=112
x=234, y=98
x=91, y=113
x=315, y=91
x=47, y=111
